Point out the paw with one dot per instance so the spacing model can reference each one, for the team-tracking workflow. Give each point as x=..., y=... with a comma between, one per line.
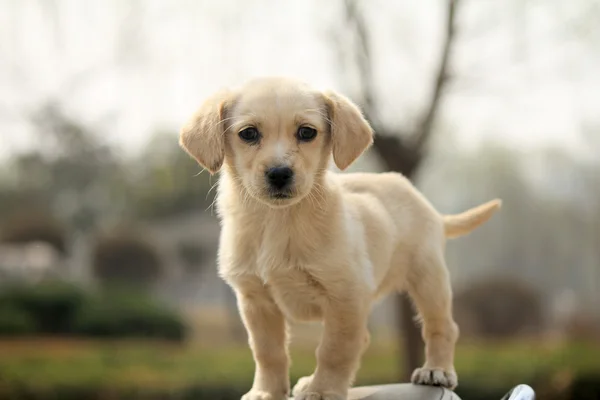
x=319, y=396
x=434, y=377
x=262, y=395
x=302, y=384
x=302, y=391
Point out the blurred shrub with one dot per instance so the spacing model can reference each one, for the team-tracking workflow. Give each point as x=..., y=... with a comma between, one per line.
x=125, y=258
x=498, y=308
x=52, y=306
x=128, y=315
x=65, y=310
x=14, y=322
x=34, y=225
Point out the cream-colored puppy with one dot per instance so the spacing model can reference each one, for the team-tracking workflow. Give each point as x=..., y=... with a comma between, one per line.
x=300, y=242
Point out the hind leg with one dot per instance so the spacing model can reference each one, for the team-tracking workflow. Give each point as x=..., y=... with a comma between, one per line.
x=428, y=284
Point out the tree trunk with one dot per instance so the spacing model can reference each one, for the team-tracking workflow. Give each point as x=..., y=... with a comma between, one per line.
x=411, y=341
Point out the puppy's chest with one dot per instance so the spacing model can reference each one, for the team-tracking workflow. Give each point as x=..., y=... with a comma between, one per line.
x=278, y=248
x=297, y=292
x=284, y=263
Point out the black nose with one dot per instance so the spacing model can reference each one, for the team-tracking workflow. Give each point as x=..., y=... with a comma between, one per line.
x=279, y=177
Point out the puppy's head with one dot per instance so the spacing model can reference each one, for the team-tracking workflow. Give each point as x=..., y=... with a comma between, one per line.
x=277, y=136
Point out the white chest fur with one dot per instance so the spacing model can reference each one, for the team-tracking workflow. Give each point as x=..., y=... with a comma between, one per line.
x=283, y=255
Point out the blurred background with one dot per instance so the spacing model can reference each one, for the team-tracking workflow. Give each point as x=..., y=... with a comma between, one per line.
x=108, y=284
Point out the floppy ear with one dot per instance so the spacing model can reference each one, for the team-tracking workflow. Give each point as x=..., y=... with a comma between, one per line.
x=203, y=136
x=351, y=134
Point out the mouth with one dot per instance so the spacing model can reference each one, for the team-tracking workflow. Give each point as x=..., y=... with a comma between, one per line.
x=280, y=195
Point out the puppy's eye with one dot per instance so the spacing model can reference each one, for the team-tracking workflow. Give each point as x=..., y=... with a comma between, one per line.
x=250, y=134
x=306, y=133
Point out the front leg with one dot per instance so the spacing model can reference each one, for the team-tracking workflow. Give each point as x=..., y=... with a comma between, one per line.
x=344, y=339
x=267, y=337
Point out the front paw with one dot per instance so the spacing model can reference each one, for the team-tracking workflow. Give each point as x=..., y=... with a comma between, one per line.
x=303, y=391
x=262, y=395
x=308, y=395
x=434, y=377
x=302, y=384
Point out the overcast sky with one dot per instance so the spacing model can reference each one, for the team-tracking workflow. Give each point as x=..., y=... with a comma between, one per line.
x=525, y=71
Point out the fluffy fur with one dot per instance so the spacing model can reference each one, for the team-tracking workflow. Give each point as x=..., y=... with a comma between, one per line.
x=331, y=248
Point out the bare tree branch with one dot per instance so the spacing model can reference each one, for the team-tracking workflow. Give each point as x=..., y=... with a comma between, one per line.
x=401, y=151
x=362, y=56
x=425, y=127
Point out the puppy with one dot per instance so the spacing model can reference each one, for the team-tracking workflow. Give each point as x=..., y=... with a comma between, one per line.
x=300, y=242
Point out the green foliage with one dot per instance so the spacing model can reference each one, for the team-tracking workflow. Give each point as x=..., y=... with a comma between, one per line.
x=14, y=322
x=149, y=370
x=126, y=315
x=60, y=309
x=51, y=306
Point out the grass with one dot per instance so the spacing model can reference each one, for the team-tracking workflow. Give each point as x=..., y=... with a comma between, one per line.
x=43, y=364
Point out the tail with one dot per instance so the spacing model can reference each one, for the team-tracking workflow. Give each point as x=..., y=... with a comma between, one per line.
x=461, y=224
